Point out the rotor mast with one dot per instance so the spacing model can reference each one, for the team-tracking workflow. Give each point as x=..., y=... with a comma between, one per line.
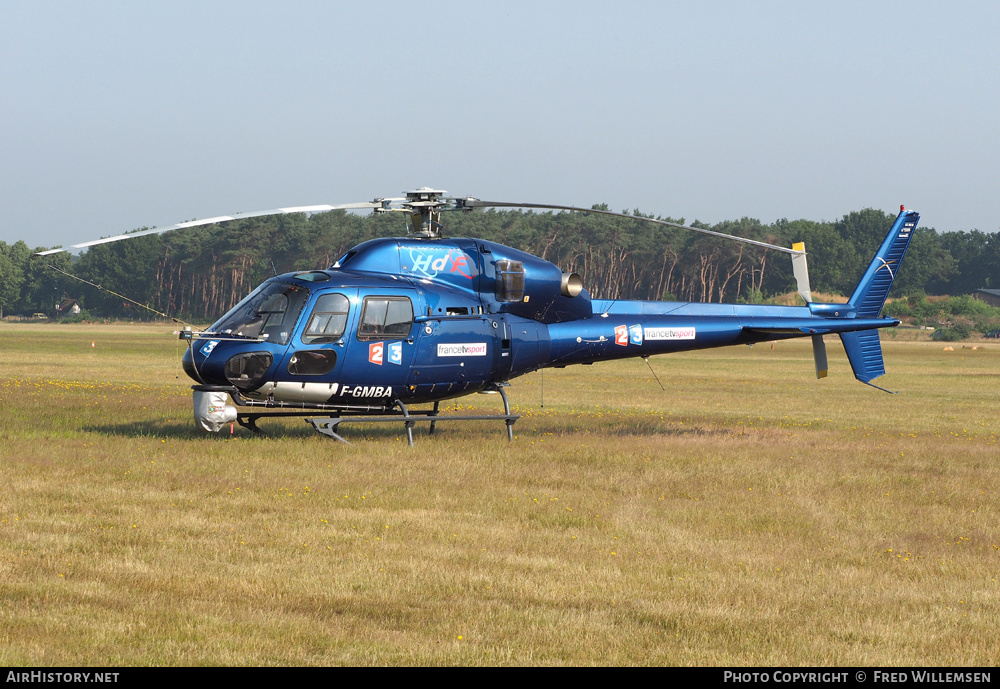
x=423, y=212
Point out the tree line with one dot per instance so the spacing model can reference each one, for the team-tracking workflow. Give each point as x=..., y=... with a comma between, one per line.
x=197, y=274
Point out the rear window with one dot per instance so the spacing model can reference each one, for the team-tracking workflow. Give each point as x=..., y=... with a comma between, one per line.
x=385, y=318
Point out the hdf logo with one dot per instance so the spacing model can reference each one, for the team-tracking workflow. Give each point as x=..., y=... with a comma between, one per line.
x=431, y=262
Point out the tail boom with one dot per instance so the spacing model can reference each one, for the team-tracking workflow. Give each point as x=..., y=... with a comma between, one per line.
x=624, y=328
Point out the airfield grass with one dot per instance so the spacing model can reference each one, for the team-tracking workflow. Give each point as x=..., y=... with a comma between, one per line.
x=747, y=514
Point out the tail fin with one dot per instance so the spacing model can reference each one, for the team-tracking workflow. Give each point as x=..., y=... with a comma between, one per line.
x=864, y=350
x=870, y=294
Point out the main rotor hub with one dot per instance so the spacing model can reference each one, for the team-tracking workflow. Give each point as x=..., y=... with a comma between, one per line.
x=423, y=209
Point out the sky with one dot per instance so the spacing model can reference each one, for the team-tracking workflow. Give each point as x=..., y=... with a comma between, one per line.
x=119, y=115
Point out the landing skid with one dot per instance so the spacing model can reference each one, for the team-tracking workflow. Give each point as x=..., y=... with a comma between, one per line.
x=400, y=413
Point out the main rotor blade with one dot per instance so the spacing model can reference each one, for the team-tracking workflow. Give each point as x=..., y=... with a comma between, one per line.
x=476, y=203
x=322, y=208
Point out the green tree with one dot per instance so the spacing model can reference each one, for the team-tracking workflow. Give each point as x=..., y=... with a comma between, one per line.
x=122, y=269
x=11, y=277
x=47, y=280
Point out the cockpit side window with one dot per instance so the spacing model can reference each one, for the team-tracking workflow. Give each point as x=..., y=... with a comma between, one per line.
x=328, y=319
x=385, y=318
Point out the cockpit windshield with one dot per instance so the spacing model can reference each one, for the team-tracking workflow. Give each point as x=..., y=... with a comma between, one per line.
x=268, y=313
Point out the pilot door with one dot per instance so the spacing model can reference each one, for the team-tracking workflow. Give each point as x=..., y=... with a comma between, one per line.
x=312, y=367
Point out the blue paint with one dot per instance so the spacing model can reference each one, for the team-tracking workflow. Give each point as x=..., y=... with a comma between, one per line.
x=426, y=322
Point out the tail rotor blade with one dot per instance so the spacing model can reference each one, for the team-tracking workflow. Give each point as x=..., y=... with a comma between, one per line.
x=819, y=356
x=801, y=271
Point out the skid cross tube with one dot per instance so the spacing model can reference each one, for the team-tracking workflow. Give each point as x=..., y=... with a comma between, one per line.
x=329, y=426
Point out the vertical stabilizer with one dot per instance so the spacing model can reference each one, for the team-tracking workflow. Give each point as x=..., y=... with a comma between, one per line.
x=864, y=351
x=870, y=294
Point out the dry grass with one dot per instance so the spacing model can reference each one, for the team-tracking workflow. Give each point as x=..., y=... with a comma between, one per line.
x=747, y=515
x=793, y=298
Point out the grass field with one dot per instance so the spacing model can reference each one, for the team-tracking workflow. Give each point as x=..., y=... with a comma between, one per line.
x=748, y=514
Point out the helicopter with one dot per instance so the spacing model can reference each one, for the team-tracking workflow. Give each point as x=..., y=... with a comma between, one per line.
x=403, y=321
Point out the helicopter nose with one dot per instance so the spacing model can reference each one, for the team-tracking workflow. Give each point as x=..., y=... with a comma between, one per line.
x=194, y=365
x=187, y=363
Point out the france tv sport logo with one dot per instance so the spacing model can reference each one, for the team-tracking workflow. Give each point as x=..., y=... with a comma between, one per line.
x=462, y=349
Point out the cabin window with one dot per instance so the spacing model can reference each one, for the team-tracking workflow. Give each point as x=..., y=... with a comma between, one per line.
x=312, y=362
x=268, y=313
x=328, y=319
x=313, y=276
x=385, y=318
x=247, y=371
x=510, y=281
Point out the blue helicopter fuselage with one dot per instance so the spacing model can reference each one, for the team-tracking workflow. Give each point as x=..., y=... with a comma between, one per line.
x=420, y=320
